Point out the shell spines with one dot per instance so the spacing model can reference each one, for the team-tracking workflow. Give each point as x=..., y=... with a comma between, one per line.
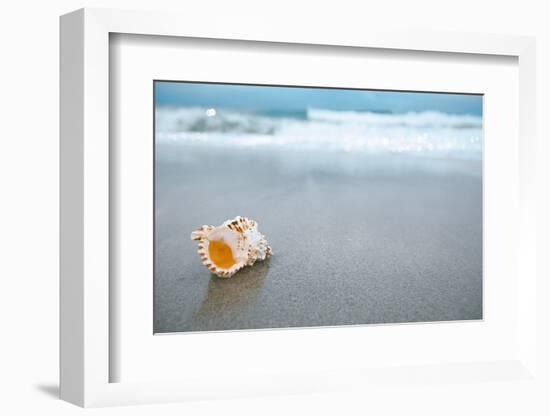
x=241, y=233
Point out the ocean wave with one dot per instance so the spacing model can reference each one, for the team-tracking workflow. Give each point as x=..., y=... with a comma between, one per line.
x=204, y=120
x=425, y=119
x=431, y=133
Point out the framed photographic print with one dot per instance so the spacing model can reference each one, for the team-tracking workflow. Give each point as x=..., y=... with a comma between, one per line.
x=370, y=201
x=260, y=214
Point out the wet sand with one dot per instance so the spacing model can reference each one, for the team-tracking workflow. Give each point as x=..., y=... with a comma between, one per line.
x=356, y=239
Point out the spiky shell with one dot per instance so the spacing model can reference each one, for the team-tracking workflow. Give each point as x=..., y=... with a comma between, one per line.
x=241, y=234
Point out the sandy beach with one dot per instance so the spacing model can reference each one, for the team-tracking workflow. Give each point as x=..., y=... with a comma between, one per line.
x=357, y=239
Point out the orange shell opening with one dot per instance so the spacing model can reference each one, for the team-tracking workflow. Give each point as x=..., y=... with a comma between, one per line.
x=221, y=254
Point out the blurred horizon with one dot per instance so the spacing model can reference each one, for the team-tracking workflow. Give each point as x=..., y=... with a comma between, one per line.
x=288, y=99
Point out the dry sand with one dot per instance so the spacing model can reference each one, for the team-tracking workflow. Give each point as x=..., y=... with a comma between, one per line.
x=357, y=239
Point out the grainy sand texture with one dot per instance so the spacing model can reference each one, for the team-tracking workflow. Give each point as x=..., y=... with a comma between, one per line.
x=358, y=239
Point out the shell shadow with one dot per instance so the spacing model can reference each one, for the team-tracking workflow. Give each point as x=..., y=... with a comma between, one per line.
x=231, y=297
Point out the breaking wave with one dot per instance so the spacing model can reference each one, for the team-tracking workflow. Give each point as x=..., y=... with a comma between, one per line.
x=431, y=133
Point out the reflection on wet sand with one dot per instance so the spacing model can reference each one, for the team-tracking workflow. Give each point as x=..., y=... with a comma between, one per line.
x=230, y=297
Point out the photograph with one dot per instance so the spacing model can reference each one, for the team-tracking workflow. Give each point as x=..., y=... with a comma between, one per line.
x=286, y=206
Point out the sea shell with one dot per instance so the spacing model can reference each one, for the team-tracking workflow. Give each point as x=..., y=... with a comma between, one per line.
x=228, y=248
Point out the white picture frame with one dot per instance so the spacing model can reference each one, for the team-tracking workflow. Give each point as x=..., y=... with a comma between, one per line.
x=85, y=205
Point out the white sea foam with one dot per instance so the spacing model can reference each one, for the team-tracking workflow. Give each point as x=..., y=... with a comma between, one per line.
x=432, y=134
x=427, y=119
